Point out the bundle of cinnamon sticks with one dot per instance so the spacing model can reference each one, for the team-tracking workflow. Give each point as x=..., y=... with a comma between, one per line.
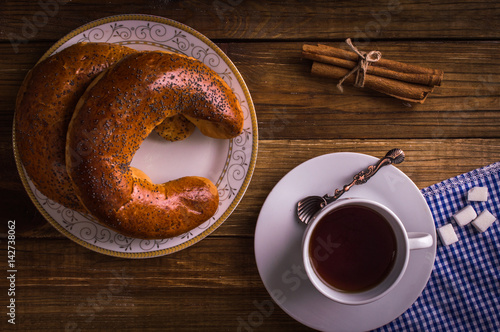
x=404, y=81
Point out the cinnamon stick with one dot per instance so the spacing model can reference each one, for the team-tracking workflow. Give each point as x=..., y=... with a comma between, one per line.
x=434, y=75
x=417, y=78
x=397, y=79
x=405, y=91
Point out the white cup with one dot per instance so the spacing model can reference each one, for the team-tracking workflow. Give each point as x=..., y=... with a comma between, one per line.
x=404, y=242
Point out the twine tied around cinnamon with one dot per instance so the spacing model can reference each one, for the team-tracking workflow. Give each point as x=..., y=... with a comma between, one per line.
x=365, y=59
x=401, y=80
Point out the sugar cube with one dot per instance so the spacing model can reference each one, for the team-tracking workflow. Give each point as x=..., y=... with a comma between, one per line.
x=478, y=194
x=465, y=216
x=483, y=221
x=447, y=234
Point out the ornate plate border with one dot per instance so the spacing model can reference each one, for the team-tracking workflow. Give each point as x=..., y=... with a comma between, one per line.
x=250, y=135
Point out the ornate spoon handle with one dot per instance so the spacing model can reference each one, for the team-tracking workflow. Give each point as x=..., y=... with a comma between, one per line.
x=395, y=156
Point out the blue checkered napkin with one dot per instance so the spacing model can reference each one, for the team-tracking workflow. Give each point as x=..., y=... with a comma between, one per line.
x=463, y=292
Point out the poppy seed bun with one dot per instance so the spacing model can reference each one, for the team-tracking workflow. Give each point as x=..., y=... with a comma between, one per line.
x=44, y=106
x=117, y=112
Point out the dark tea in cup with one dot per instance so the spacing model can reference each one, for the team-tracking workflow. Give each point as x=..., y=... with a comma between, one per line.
x=355, y=250
x=352, y=248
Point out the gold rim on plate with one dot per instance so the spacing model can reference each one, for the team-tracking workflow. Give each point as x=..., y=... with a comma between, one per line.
x=253, y=132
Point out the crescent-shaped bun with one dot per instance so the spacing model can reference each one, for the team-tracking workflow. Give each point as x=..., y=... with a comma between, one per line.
x=44, y=107
x=116, y=113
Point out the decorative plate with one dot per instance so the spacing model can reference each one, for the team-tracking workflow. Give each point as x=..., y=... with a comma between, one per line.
x=228, y=163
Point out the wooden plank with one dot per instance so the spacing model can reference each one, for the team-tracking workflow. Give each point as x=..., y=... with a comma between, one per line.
x=427, y=162
x=245, y=19
x=62, y=286
x=292, y=104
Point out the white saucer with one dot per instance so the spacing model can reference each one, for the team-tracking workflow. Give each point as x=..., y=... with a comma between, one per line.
x=278, y=238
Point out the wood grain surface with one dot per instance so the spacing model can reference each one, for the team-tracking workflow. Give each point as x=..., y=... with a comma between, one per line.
x=215, y=285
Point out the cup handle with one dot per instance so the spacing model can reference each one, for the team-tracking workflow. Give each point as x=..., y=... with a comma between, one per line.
x=418, y=240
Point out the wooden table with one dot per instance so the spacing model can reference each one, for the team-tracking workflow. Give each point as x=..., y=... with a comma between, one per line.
x=214, y=284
